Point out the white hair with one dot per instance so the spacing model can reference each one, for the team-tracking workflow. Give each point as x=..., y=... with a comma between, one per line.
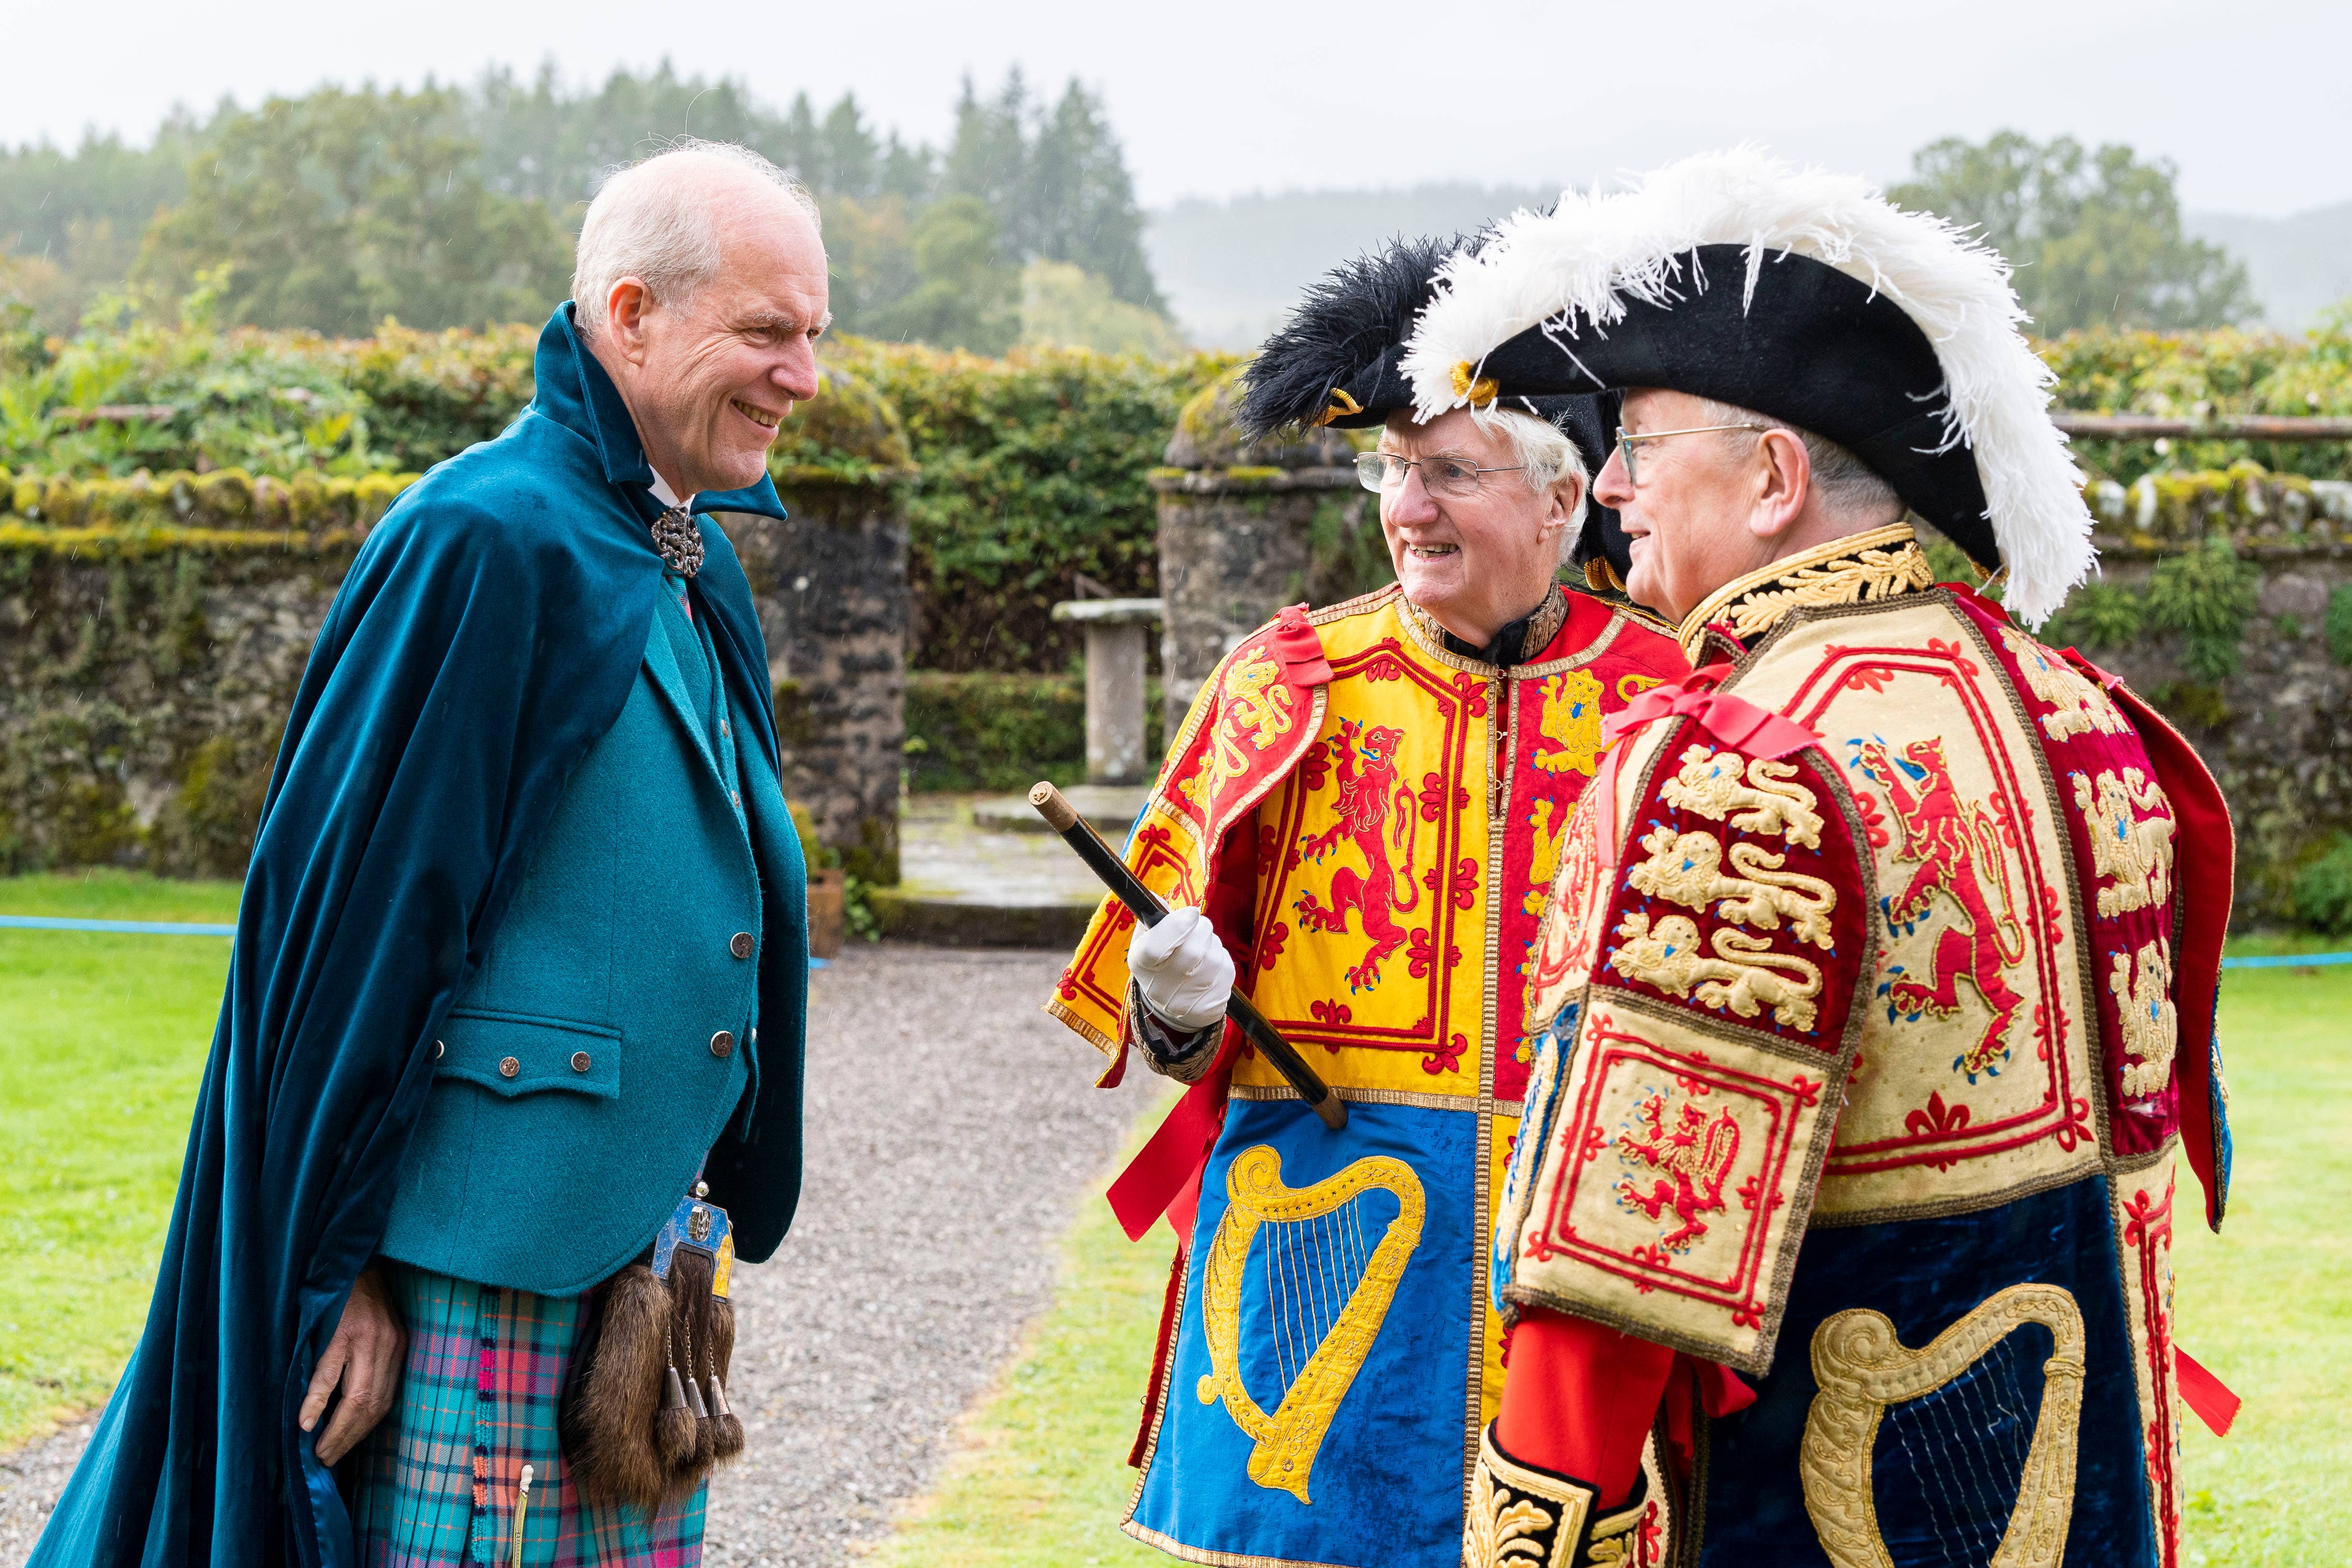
x=1849, y=487
x=655, y=220
x=1545, y=456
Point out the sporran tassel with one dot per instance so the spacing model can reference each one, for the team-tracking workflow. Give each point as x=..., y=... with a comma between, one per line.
x=727, y=1428
x=674, y=1431
x=616, y=1389
x=689, y=1316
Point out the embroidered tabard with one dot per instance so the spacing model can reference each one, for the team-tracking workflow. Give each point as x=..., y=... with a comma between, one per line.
x=1704, y=970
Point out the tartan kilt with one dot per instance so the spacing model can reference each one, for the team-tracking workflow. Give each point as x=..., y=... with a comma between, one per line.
x=434, y=1486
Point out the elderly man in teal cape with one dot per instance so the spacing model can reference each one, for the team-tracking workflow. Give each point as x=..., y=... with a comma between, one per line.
x=508, y=1073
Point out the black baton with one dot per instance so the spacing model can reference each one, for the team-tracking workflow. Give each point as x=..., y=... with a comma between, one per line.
x=1080, y=835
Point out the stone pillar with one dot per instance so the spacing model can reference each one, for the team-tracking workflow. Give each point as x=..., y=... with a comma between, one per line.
x=1237, y=532
x=1115, y=709
x=830, y=586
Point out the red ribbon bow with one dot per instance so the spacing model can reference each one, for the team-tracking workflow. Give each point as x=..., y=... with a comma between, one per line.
x=1747, y=727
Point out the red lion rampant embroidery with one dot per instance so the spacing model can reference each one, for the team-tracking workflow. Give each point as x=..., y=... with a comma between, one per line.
x=1697, y=1154
x=1957, y=845
x=1368, y=797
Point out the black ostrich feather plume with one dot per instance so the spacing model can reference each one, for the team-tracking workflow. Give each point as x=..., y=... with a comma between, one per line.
x=1345, y=336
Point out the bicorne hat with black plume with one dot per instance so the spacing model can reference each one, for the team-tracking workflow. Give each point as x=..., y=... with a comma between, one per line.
x=1803, y=295
x=1338, y=361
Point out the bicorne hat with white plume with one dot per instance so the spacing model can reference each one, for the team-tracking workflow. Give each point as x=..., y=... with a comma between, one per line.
x=1799, y=294
x=1335, y=362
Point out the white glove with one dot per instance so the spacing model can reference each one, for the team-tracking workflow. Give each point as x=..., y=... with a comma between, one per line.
x=1183, y=971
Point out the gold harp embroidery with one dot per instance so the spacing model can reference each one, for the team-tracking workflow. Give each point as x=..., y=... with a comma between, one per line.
x=1862, y=1368
x=1328, y=1286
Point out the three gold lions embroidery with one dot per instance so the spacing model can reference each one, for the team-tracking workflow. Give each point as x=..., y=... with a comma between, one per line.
x=1745, y=975
x=2133, y=849
x=1766, y=802
x=1687, y=868
x=1735, y=969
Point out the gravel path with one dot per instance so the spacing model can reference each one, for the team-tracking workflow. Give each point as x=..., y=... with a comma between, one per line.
x=950, y=1133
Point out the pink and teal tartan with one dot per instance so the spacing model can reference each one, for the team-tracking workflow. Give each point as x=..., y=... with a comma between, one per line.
x=434, y=1486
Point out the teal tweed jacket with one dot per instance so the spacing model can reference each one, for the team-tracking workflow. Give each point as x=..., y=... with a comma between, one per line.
x=612, y=1030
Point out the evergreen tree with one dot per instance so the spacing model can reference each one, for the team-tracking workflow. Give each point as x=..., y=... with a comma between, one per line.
x=451, y=204
x=989, y=158
x=853, y=159
x=80, y=215
x=337, y=209
x=1085, y=200
x=965, y=296
x=1057, y=183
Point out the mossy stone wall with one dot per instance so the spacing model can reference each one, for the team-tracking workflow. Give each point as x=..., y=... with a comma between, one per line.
x=146, y=668
x=2217, y=597
x=144, y=679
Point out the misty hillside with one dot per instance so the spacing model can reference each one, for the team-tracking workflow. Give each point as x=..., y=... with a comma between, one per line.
x=2300, y=265
x=1231, y=269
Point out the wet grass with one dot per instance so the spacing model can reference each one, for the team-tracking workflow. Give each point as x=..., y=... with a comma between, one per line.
x=102, y=1040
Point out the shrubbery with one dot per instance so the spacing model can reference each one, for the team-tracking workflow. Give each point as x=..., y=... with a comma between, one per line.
x=2323, y=890
x=273, y=403
x=1031, y=472
x=2194, y=375
x=986, y=731
x=1028, y=471
x=2203, y=596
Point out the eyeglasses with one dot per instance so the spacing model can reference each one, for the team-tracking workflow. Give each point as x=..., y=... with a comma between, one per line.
x=1447, y=478
x=1626, y=443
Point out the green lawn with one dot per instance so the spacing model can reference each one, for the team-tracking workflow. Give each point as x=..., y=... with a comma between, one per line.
x=103, y=1039
x=2267, y=1303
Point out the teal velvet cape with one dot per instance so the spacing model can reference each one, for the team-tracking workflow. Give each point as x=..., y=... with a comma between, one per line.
x=485, y=636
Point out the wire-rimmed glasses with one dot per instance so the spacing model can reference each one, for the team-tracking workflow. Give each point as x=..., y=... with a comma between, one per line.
x=1627, y=440
x=1446, y=477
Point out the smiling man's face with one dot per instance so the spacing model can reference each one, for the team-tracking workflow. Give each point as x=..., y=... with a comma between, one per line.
x=720, y=372
x=1478, y=560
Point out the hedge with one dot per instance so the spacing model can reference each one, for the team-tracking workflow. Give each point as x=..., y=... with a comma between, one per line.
x=1022, y=474
x=1032, y=473
x=986, y=731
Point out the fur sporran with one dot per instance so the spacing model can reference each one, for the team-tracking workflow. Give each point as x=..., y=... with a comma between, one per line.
x=643, y=1416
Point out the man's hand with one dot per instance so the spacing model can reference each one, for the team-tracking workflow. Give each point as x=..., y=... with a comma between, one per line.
x=366, y=1357
x=1183, y=971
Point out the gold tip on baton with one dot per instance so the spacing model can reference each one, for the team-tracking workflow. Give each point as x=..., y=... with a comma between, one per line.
x=1080, y=835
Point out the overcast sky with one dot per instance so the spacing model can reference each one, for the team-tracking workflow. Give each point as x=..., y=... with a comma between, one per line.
x=1213, y=98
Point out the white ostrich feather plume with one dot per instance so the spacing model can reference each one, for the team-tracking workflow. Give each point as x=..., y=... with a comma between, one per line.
x=1574, y=270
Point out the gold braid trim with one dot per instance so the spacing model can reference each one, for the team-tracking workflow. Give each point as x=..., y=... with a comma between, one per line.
x=1520, y=1517
x=1860, y=568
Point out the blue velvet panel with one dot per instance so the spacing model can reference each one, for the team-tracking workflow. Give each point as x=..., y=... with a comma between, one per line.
x=1386, y=1486
x=1924, y=1275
